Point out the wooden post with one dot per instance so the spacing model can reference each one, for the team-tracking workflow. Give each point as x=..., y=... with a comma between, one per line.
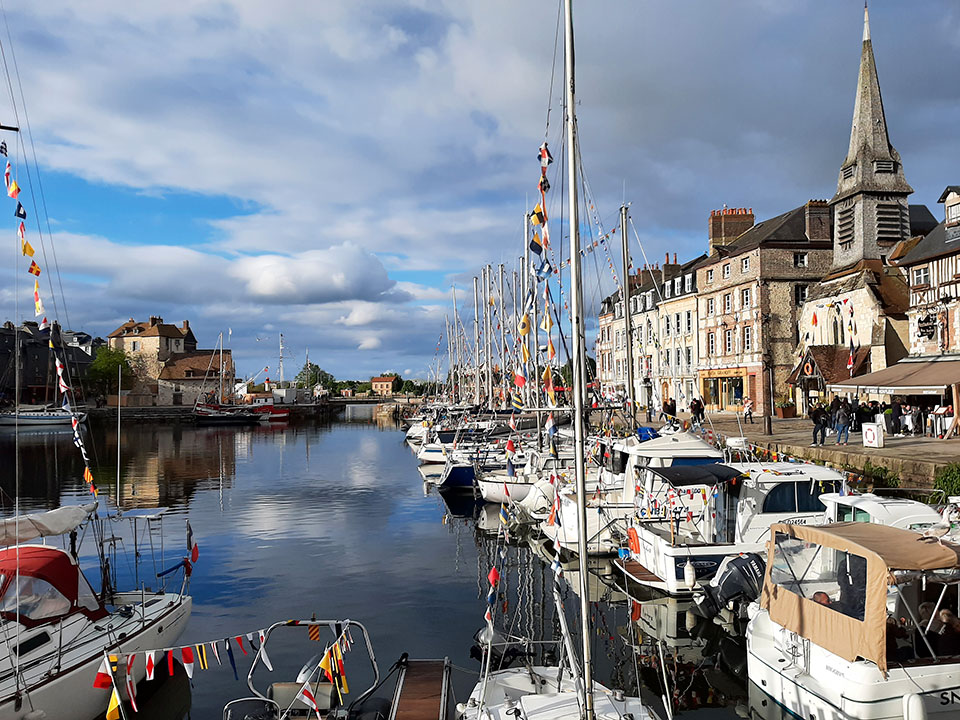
x=956, y=407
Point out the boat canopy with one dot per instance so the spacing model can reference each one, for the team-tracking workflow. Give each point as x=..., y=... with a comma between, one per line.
x=53, y=522
x=709, y=475
x=668, y=446
x=50, y=584
x=829, y=583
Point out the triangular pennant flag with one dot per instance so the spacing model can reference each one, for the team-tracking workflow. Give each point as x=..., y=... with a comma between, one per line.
x=340, y=669
x=104, y=677
x=148, y=659
x=37, y=303
x=240, y=643
x=216, y=651
x=233, y=661
x=306, y=697
x=186, y=657
x=170, y=663
x=130, y=682
x=201, y=655
x=113, y=709
x=263, y=652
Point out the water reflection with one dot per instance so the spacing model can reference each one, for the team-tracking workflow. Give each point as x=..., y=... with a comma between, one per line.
x=334, y=519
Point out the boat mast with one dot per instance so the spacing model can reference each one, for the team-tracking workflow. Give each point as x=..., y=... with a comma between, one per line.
x=488, y=354
x=631, y=391
x=576, y=312
x=456, y=349
x=529, y=389
x=280, y=366
x=476, y=340
x=119, y=378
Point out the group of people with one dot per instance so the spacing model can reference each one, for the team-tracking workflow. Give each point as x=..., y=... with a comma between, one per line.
x=837, y=417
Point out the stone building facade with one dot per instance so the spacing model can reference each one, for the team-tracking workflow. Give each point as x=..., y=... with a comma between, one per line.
x=750, y=291
x=678, y=321
x=153, y=341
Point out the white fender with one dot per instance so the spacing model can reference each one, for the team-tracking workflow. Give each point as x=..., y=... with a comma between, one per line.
x=913, y=707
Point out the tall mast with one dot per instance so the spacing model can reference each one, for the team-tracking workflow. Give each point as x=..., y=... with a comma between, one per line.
x=576, y=311
x=628, y=321
x=503, y=337
x=529, y=388
x=488, y=345
x=280, y=366
x=456, y=349
x=476, y=340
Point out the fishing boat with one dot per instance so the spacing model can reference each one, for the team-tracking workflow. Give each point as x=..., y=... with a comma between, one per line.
x=57, y=629
x=856, y=620
x=689, y=519
x=414, y=689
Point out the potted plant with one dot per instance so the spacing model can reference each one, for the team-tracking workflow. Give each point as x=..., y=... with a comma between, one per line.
x=785, y=407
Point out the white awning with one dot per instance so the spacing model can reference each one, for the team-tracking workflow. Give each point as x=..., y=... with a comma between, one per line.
x=910, y=376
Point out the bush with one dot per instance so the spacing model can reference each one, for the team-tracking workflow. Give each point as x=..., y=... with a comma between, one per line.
x=948, y=479
x=880, y=476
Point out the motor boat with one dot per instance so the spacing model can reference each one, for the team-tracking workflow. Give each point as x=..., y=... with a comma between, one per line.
x=689, y=519
x=856, y=620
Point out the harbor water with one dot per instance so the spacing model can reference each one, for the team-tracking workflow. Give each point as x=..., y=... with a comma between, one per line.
x=335, y=521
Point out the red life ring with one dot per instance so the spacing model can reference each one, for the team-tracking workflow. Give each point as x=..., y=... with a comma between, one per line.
x=807, y=368
x=633, y=541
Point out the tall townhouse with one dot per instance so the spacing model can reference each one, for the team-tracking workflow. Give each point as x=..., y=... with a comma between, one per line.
x=677, y=319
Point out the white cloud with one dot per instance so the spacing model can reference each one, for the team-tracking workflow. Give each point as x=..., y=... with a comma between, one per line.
x=369, y=343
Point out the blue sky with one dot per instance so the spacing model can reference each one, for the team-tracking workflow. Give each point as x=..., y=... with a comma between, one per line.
x=328, y=169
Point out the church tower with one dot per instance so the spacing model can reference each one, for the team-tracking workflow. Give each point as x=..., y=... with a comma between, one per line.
x=870, y=211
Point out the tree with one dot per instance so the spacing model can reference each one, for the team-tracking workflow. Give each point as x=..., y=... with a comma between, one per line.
x=312, y=374
x=409, y=387
x=102, y=373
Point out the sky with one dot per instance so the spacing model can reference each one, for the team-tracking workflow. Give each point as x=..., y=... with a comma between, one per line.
x=329, y=170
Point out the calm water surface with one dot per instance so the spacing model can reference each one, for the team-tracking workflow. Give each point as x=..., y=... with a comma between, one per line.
x=334, y=520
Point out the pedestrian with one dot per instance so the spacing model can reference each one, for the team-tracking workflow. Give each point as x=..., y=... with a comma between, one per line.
x=896, y=413
x=819, y=417
x=843, y=424
x=664, y=411
x=748, y=410
x=834, y=407
x=672, y=408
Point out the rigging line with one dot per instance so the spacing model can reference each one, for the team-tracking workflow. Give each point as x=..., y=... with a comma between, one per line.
x=553, y=67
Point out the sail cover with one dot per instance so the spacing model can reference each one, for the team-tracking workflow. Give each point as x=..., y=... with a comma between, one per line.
x=53, y=522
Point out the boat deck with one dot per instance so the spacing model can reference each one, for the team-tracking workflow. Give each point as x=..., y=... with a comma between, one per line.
x=637, y=572
x=422, y=691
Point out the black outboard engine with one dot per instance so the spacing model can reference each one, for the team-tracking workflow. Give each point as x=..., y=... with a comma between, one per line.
x=738, y=578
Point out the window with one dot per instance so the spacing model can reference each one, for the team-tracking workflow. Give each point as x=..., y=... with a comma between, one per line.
x=953, y=213
x=135, y=345
x=666, y=326
x=666, y=289
x=711, y=344
x=727, y=303
x=747, y=338
x=745, y=298
x=676, y=286
x=800, y=294
x=800, y=260
x=710, y=306
x=678, y=358
x=689, y=319
x=726, y=270
x=745, y=264
x=689, y=356
x=688, y=280
x=38, y=599
x=676, y=323
x=727, y=342
x=709, y=276
x=921, y=276
x=845, y=227
x=834, y=578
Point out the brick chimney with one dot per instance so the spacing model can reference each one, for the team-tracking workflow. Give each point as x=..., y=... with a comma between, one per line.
x=155, y=320
x=818, y=218
x=727, y=225
x=186, y=325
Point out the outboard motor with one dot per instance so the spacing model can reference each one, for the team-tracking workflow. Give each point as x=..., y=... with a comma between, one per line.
x=738, y=578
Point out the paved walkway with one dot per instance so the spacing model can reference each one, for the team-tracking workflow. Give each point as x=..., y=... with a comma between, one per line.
x=913, y=459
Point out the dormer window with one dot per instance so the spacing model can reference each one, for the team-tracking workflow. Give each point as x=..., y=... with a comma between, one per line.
x=666, y=290
x=847, y=172
x=884, y=166
x=676, y=286
x=688, y=280
x=953, y=213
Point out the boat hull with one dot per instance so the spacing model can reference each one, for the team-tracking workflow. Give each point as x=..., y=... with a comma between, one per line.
x=39, y=419
x=69, y=695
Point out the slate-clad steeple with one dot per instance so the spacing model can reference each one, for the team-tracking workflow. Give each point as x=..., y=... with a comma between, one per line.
x=870, y=207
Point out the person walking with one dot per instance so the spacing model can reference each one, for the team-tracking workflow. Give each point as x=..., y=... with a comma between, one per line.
x=819, y=417
x=748, y=410
x=896, y=414
x=843, y=423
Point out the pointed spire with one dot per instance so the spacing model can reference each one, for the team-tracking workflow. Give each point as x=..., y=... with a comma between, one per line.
x=866, y=22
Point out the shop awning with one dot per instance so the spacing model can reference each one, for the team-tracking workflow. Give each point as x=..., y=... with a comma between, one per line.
x=910, y=376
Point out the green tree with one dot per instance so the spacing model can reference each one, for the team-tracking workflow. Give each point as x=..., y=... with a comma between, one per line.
x=312, y=374
x=409, y=387
x=102, y=373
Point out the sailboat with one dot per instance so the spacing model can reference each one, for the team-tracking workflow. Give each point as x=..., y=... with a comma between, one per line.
x=568, y=691
x=221, y=413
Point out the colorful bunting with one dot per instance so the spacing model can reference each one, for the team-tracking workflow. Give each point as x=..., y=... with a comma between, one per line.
x=34, y=269
x=20, y=212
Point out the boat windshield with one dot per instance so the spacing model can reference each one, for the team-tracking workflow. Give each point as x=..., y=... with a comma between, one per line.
x=38, y=599
x=833, y=578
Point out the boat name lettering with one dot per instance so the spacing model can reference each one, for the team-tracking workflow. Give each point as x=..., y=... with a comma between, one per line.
x=838, y=673
x=949, y=698
x=795, y=521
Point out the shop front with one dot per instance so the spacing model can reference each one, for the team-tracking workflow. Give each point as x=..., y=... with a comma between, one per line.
x=725, y=389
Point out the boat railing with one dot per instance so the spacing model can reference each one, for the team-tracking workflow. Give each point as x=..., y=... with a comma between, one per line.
x=341, y=631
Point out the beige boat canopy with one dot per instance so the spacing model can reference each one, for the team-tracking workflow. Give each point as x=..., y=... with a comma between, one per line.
x=829, y=583
x=911, y=376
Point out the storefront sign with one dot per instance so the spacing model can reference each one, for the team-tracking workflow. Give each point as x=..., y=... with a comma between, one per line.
x=927, y=326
